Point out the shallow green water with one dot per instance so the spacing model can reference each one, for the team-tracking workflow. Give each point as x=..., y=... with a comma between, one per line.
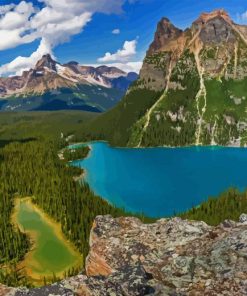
x=51, y=254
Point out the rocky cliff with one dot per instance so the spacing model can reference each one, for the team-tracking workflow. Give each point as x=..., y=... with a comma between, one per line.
x=169, y=257
x=196, y=84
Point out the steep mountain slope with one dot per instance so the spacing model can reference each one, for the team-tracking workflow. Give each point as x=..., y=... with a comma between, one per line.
x=52, y=86
x=192, y=88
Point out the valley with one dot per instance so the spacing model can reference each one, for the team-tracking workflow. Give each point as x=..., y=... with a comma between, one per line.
x=92, y=156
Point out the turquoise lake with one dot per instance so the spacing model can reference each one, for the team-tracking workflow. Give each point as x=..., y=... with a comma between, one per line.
x=161, y=181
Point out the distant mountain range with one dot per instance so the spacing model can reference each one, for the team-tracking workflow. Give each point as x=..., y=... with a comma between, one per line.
x=192, y=89
x=53, y=86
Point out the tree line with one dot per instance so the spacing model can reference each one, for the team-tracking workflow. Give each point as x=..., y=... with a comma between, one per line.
x=228, y=205
x=76, y=153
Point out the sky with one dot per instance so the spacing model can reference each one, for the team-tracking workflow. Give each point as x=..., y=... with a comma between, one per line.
x=95, y=32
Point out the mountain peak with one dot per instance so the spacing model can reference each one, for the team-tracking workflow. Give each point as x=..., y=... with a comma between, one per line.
x=218, y=13
x=164, y=21
x=165, y=33
x=216, y=27
x=105, y=70
x=46, y=61
x=73, y=63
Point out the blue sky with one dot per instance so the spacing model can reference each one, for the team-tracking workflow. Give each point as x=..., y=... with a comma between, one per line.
x=135, y=21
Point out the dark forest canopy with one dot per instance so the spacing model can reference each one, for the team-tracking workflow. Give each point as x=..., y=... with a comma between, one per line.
x=229, y=205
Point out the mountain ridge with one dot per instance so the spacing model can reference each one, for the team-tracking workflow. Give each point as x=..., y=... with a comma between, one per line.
x=49, y=75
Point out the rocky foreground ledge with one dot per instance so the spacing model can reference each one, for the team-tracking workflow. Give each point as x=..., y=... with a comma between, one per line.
x=169, y=257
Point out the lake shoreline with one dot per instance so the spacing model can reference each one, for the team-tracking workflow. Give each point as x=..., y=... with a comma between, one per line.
x=160, y=162
x=154, y=147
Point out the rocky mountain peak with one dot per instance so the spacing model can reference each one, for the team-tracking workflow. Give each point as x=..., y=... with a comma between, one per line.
x=165, y=33
x=73, y=63
x=212, y=33
x=215, y=28
x=46, y=62
x=219, y=13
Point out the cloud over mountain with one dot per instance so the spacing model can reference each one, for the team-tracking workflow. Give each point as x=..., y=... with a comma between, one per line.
x=53, y=23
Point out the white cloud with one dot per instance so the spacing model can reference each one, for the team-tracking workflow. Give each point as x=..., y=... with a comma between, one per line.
x=13, y=24
x=54, y=24
x=242, y=17
x=6, y=8
x=104, y=6
x=20, y=64
x=122, y=55
x=13, y=20
x=127, y=67
x=116, y=31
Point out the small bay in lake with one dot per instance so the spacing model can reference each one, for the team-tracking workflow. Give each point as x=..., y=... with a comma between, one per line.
x=161, y=181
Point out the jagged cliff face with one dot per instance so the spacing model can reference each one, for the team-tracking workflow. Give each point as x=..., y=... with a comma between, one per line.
x=201, y=77
x=213, y=38
x=169, y=257
x=72, y=84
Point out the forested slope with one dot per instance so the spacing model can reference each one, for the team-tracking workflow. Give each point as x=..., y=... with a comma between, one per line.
x=33, y=169
x=228, y=205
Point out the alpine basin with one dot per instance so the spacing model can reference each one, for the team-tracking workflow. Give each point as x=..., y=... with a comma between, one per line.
x=162, y=181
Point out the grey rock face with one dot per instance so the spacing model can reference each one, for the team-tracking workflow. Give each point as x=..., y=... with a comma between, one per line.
x=184, y=257
x=243, y=218
x=217, y=31
x=56, y=289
